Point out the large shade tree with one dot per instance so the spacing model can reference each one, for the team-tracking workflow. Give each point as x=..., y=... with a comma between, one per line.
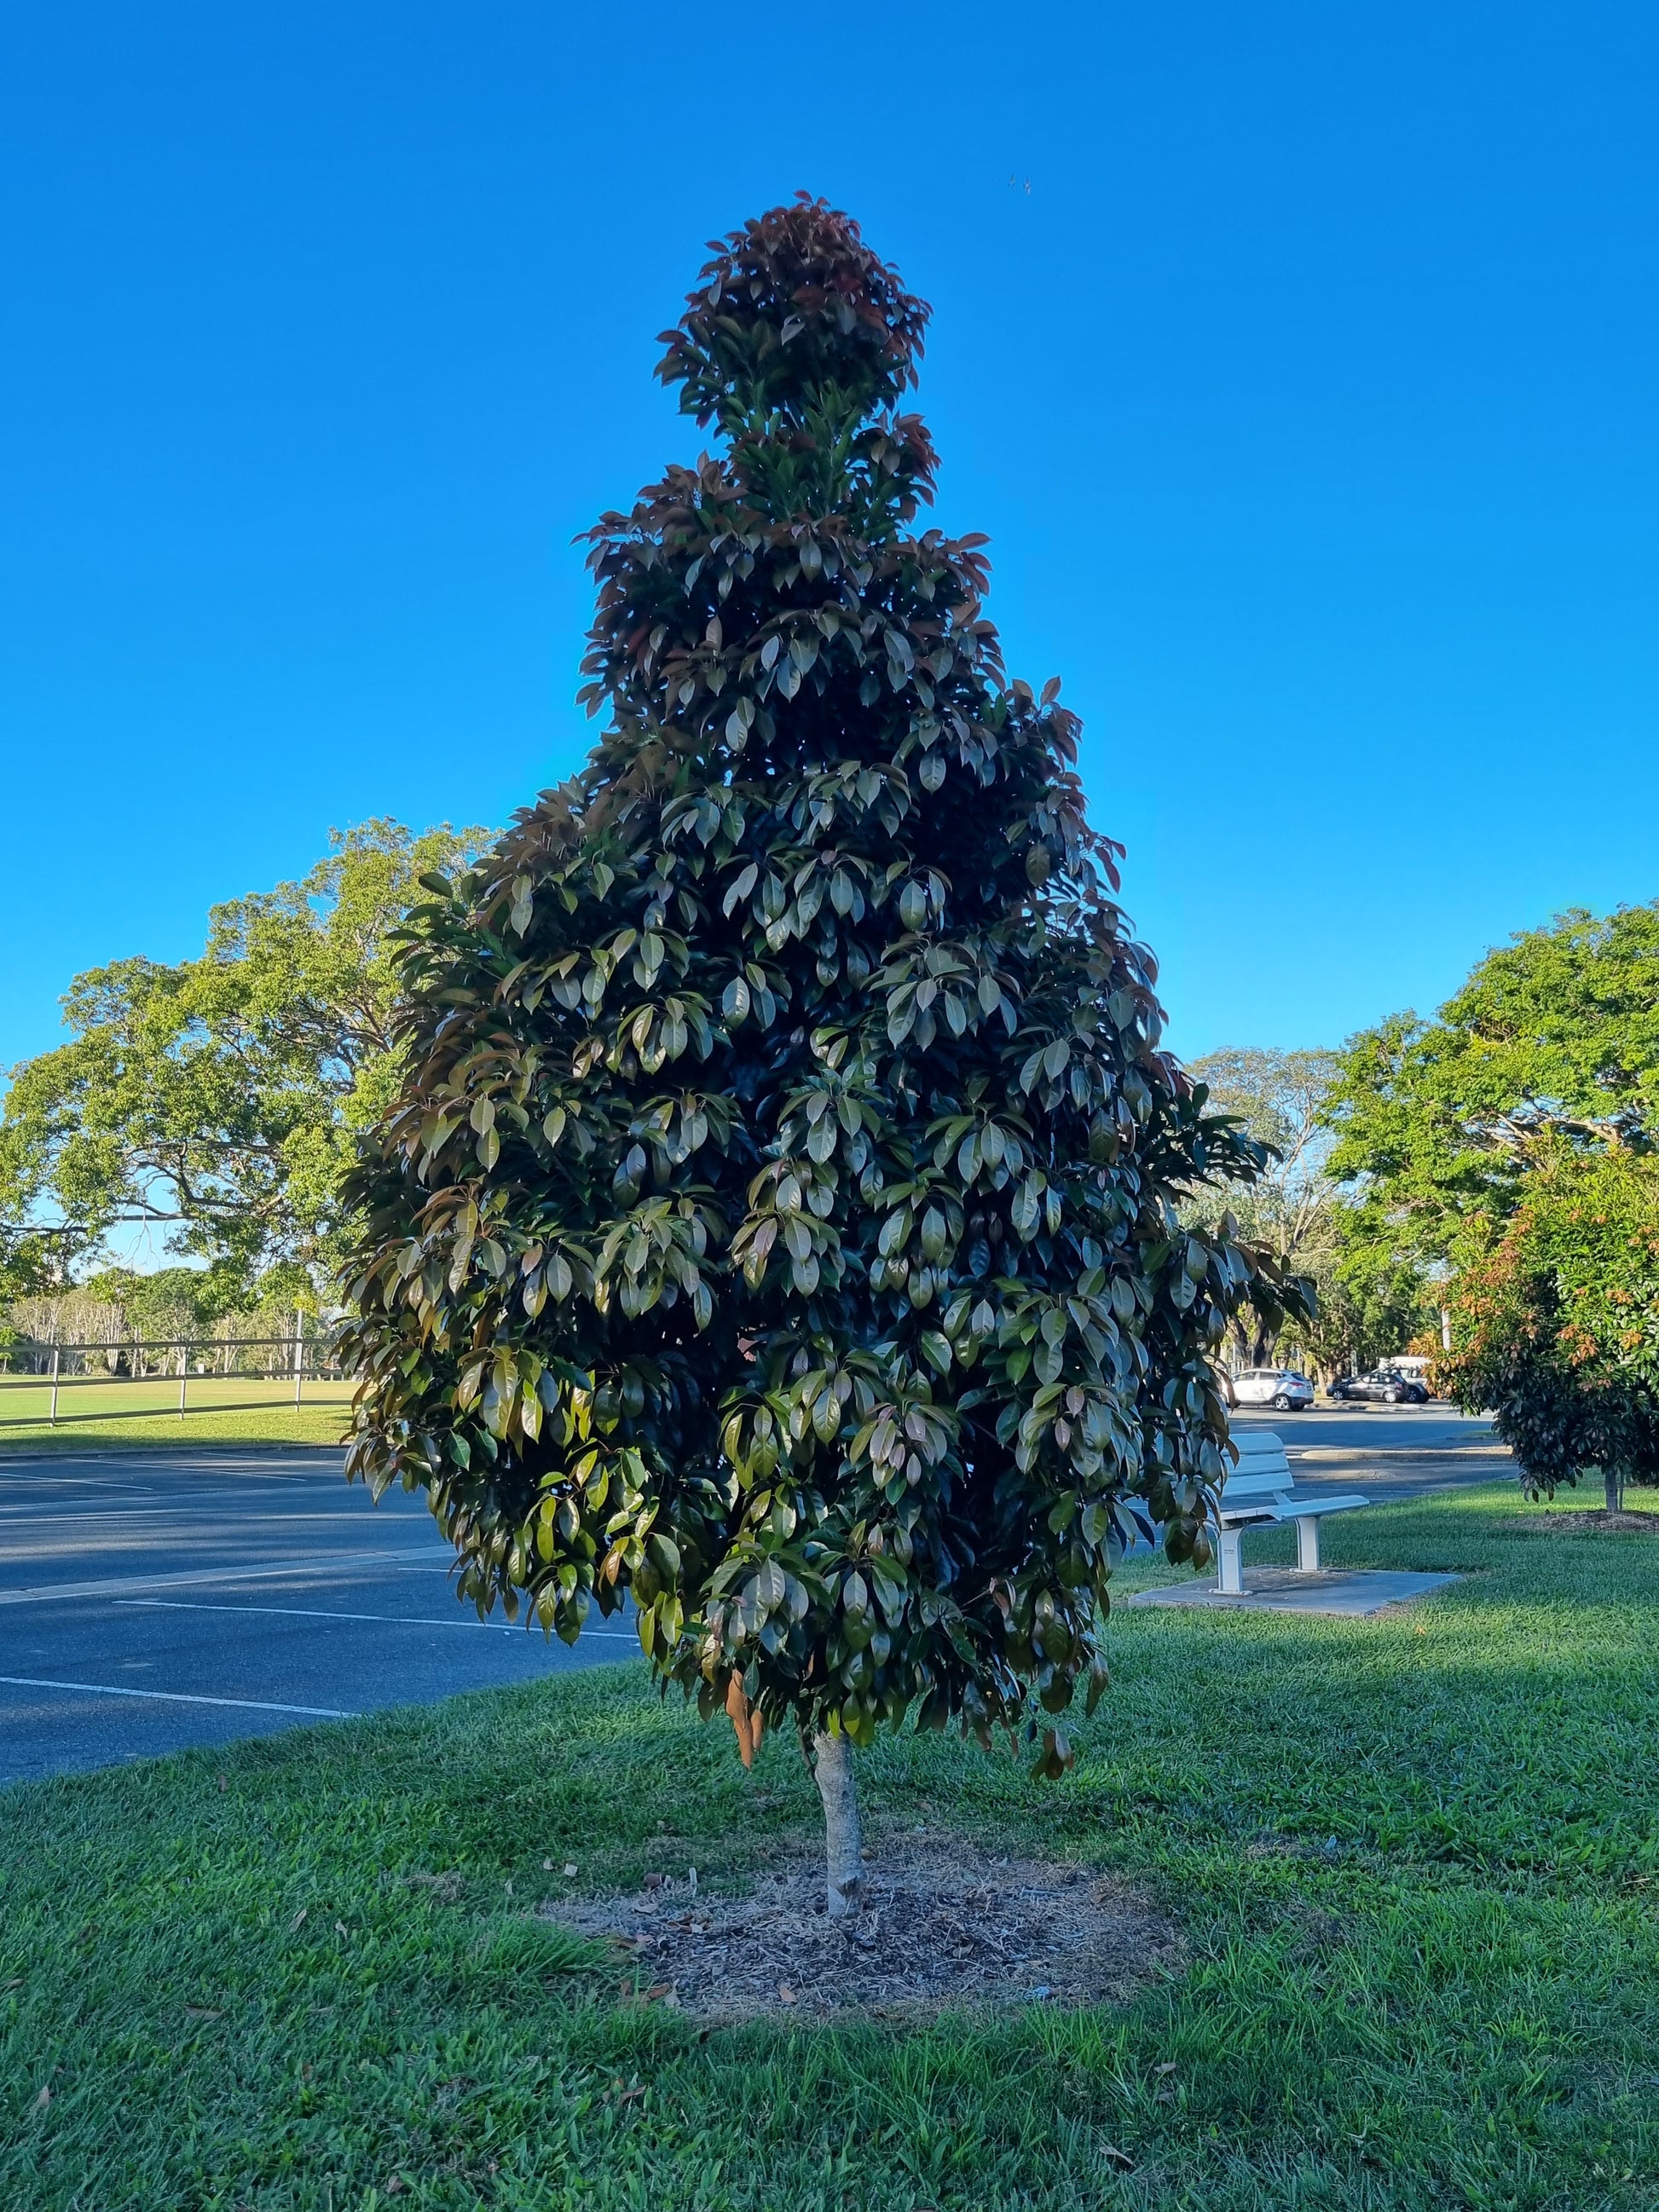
x=1368, y=1301
x=779, y=1225
x=1291, y=1207
x=1552, y=1041
x=212, y=1101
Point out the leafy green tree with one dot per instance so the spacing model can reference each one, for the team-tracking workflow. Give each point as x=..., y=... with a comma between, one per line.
x=1368, y=1305
x=216, y=1098
x=32, y=1259
x=167, y=1304
x=778, y=1227
x=1553, y=1038
x=1556, y=1327
x=1289, y=1209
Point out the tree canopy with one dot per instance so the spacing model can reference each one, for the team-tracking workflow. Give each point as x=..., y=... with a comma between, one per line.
x=1288, y=1207
x=1556, y=1327
x=1366, y=1304
x=1553, y=1038
x=778, y=1226
x=214, y=1098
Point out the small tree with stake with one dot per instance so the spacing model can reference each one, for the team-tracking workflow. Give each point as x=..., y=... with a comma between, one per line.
x=778, y=1224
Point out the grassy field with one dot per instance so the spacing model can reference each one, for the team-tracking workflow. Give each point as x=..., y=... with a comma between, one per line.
x=1415, y=1858
x=228, y=1409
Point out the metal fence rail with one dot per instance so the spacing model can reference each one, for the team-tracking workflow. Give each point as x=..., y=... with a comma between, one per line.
x=213, y=1359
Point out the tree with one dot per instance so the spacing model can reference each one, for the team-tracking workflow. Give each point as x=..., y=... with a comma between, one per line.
x=1365, y=1304
x=1553, y=1038
x=778, y=1226
x=1290, y=1208
x=33, y=1260
x=1369, y=1304
x=117, y=1306
x=215, y=1099
x=1556, y=1327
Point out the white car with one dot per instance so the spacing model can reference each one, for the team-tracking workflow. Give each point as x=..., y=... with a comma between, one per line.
x=1281, y=1388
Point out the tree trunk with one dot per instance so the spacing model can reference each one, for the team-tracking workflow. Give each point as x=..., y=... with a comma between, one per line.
x=1612, y=1490
x=832, y=1768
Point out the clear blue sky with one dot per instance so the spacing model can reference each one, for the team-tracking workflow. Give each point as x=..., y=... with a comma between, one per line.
x=1308, y=395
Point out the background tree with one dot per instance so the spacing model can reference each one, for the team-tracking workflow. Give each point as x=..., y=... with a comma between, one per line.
x=1290, y=1208
x=117, y=1307
x=1554, y=1039
x=216, y=1099
x=1368, y=1305
x=33, y=1258
x=1556, y=1327
x=779, y=1223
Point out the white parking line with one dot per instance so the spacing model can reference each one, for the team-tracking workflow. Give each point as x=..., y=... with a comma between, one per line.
x=313, y=1612
x=309, y=1613
x=182, y=1510
x=302, y=1563
x=175, y=1697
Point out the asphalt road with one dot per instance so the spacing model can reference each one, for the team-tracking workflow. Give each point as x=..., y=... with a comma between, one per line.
x=1390, y=1452
x=152, y=1601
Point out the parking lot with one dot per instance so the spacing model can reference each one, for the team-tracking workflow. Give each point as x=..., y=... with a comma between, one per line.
x=153, y=1600
x=148, y=1601
x=1389, y=1451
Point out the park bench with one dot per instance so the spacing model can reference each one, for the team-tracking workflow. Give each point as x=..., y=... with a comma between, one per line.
x=1258, y=1494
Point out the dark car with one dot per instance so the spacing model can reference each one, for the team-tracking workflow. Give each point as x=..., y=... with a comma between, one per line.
x=1385, y=1388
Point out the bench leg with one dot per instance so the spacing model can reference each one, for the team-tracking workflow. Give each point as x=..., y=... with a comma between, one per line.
x=1307, y=1543
x=1230, y=1561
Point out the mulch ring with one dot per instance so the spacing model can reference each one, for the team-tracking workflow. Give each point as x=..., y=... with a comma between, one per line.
x=1598, y=1523
x=936, y=1929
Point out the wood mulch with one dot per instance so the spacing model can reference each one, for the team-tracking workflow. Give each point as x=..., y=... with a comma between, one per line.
x=940, y=1928
x=1598, y=1523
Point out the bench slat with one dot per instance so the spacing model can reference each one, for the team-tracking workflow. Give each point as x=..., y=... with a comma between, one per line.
x=1288, y=1505
x=1250, y=1481
x=1293, y=1507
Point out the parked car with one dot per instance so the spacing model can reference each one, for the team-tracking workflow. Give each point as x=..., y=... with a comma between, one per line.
x=1281, y=1388
x=1385, y=1388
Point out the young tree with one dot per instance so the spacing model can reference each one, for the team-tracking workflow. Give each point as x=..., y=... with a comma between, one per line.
x=1556, y=1327
x=778, y=1226
x=215, y=1099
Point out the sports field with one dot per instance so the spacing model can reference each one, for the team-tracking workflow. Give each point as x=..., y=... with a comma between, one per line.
x=217, y=1408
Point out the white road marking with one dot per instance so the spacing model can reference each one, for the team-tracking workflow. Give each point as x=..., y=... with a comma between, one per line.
x=25, y=1516
x=176, y=1697
x=311, y=1612
x=384, y=1620
x=273, y=1570
x=61, y=1482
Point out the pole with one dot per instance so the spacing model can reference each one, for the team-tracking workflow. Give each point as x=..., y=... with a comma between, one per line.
x=299, y=1354
x=183, y=1377
x=57, y=1350
x=1445, y=1329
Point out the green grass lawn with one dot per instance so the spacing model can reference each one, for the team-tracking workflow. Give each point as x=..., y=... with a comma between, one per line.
x=1415, y=1858
x=219, y=1409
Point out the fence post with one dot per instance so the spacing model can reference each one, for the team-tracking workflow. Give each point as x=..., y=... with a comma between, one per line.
x=57, y=1353
x=299, y=1354
x=184, y=1376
